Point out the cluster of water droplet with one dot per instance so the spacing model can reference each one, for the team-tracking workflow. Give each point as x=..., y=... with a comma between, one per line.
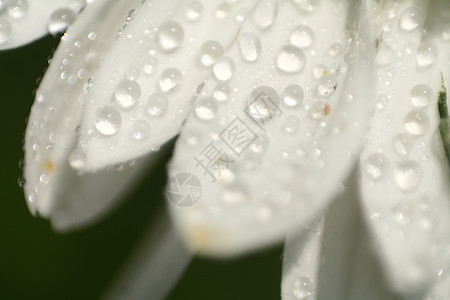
x=10, y=11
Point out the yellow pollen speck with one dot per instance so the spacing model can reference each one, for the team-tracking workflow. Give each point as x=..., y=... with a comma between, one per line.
x=48, y=166
x=325, y=72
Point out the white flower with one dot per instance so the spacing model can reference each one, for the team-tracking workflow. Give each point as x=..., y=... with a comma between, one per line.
x=274, y=100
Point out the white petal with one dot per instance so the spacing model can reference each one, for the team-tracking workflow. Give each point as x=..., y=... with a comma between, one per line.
x=154, y=267
x=56, y=113
x=150, y=91
x=265, y=166
x=404, y=171
x=23, y=21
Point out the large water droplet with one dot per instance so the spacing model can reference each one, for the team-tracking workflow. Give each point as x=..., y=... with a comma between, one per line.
x=302, y=36
x=403, y=144
x=224, y=68
x=127, y=93
x=221, y=92
x=411, y=18
x=327, y=85
x=17, y=8
x=140, y=130
x=263, y=103
x=170, y=80
x=5, y=31
x=427, y=54
x=60, y=20
x=250, y=46
x=292, y=95
x=421, y=95
x=107, y=120
x=193, y=11
x=408, y=175
x=303, y=288
x=210, y=52
x=376, y=166
x=157, y=104
x=417, y=122
x=205, y=109
x=170, y=36
x=265, y=12
x=290, y=59
x=320, y=109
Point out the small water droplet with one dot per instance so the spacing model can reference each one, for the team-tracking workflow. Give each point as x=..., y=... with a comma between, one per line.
x=210, y=52
x=327, y=85
x=127, y=93
x=403, y=144
x=336, y=49
x=303, y=288
x=376, y=166
x=427, y=54
x=77, y=159
x=140, y=130
x=302, y=36
x=411, y=18
x=107, y=120
x=290, y=59
x=250, y=46
x=292, y=95
x=157, y=104
x=193, y=11
x=205, y=109
x=221, y=92
x=224, y=68
x=5, y=31
x=320, y=109
x=417, y=122
x=60, y=20
x=17, y=8
x=149, y=65
x=307, y=5
x=408, y=175
x=319, y=71
x=170, y=36
x=170, y=80
x=264, y=13
x=421, y=95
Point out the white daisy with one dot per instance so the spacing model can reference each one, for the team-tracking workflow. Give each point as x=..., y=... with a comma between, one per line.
x=276, y=102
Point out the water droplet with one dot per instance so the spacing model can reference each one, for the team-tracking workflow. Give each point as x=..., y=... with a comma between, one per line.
x=157, y=104
x=264, y=13
x=149, y=65
x=408, y=175
x=224, y=68
x=417, y=122
x=170, y=80
x=170, y=36
x=205, y=109
x=127, y=93
x=60, y=20
x=327, y=85
x=403, y=144
x=302, y=36
x=303, y=288
x=263, y=103
x=193, y=11
x=290, y=59
x=421, y=95
x=292, y=95
x=320, y=109
x=336, y=49
x=319, y=71
x=92, y=35
x=140, y=130
x=107, y=120
x=376, y=166
x=5, y=31
x=221, y=92
x=17, y=8
x=427, y=54
x=210, y=52
x=291, y=124
x=250, y=46
x=77, y=159
x=307, y=5
x=411, y=19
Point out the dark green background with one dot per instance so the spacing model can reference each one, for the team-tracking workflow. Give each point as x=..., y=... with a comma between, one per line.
x=36, y=263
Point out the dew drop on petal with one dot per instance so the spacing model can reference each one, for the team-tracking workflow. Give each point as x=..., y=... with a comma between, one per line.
x=107, y=120
x=319, y=109
x=403, y=144
x=427, y=54
x=170, y=35
x=292, y=95
x=5, y=31
x=302, y=36
x=221, y=92
x=140, y=130
x=77, y=159
x=336, y=49
x=303, y=288
x=210, y=52
x=417, y=122
x=250, y=46
x=224, y=68
x=307, y=5
x=170, y=80
x=149, y=65
x=264, y=13
x=127, y=93
x=408, y=175
x=327, y=85
x=411, y=18
x=290, y=59
x=421, y=95
x=60, y=20
x=205, y=109
x=193, y=11
x=17, y=8
x=376, y=166
x=157, y=104
x=263, y=103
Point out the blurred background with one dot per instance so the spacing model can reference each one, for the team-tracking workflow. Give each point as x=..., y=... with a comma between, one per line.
x=36, y=263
